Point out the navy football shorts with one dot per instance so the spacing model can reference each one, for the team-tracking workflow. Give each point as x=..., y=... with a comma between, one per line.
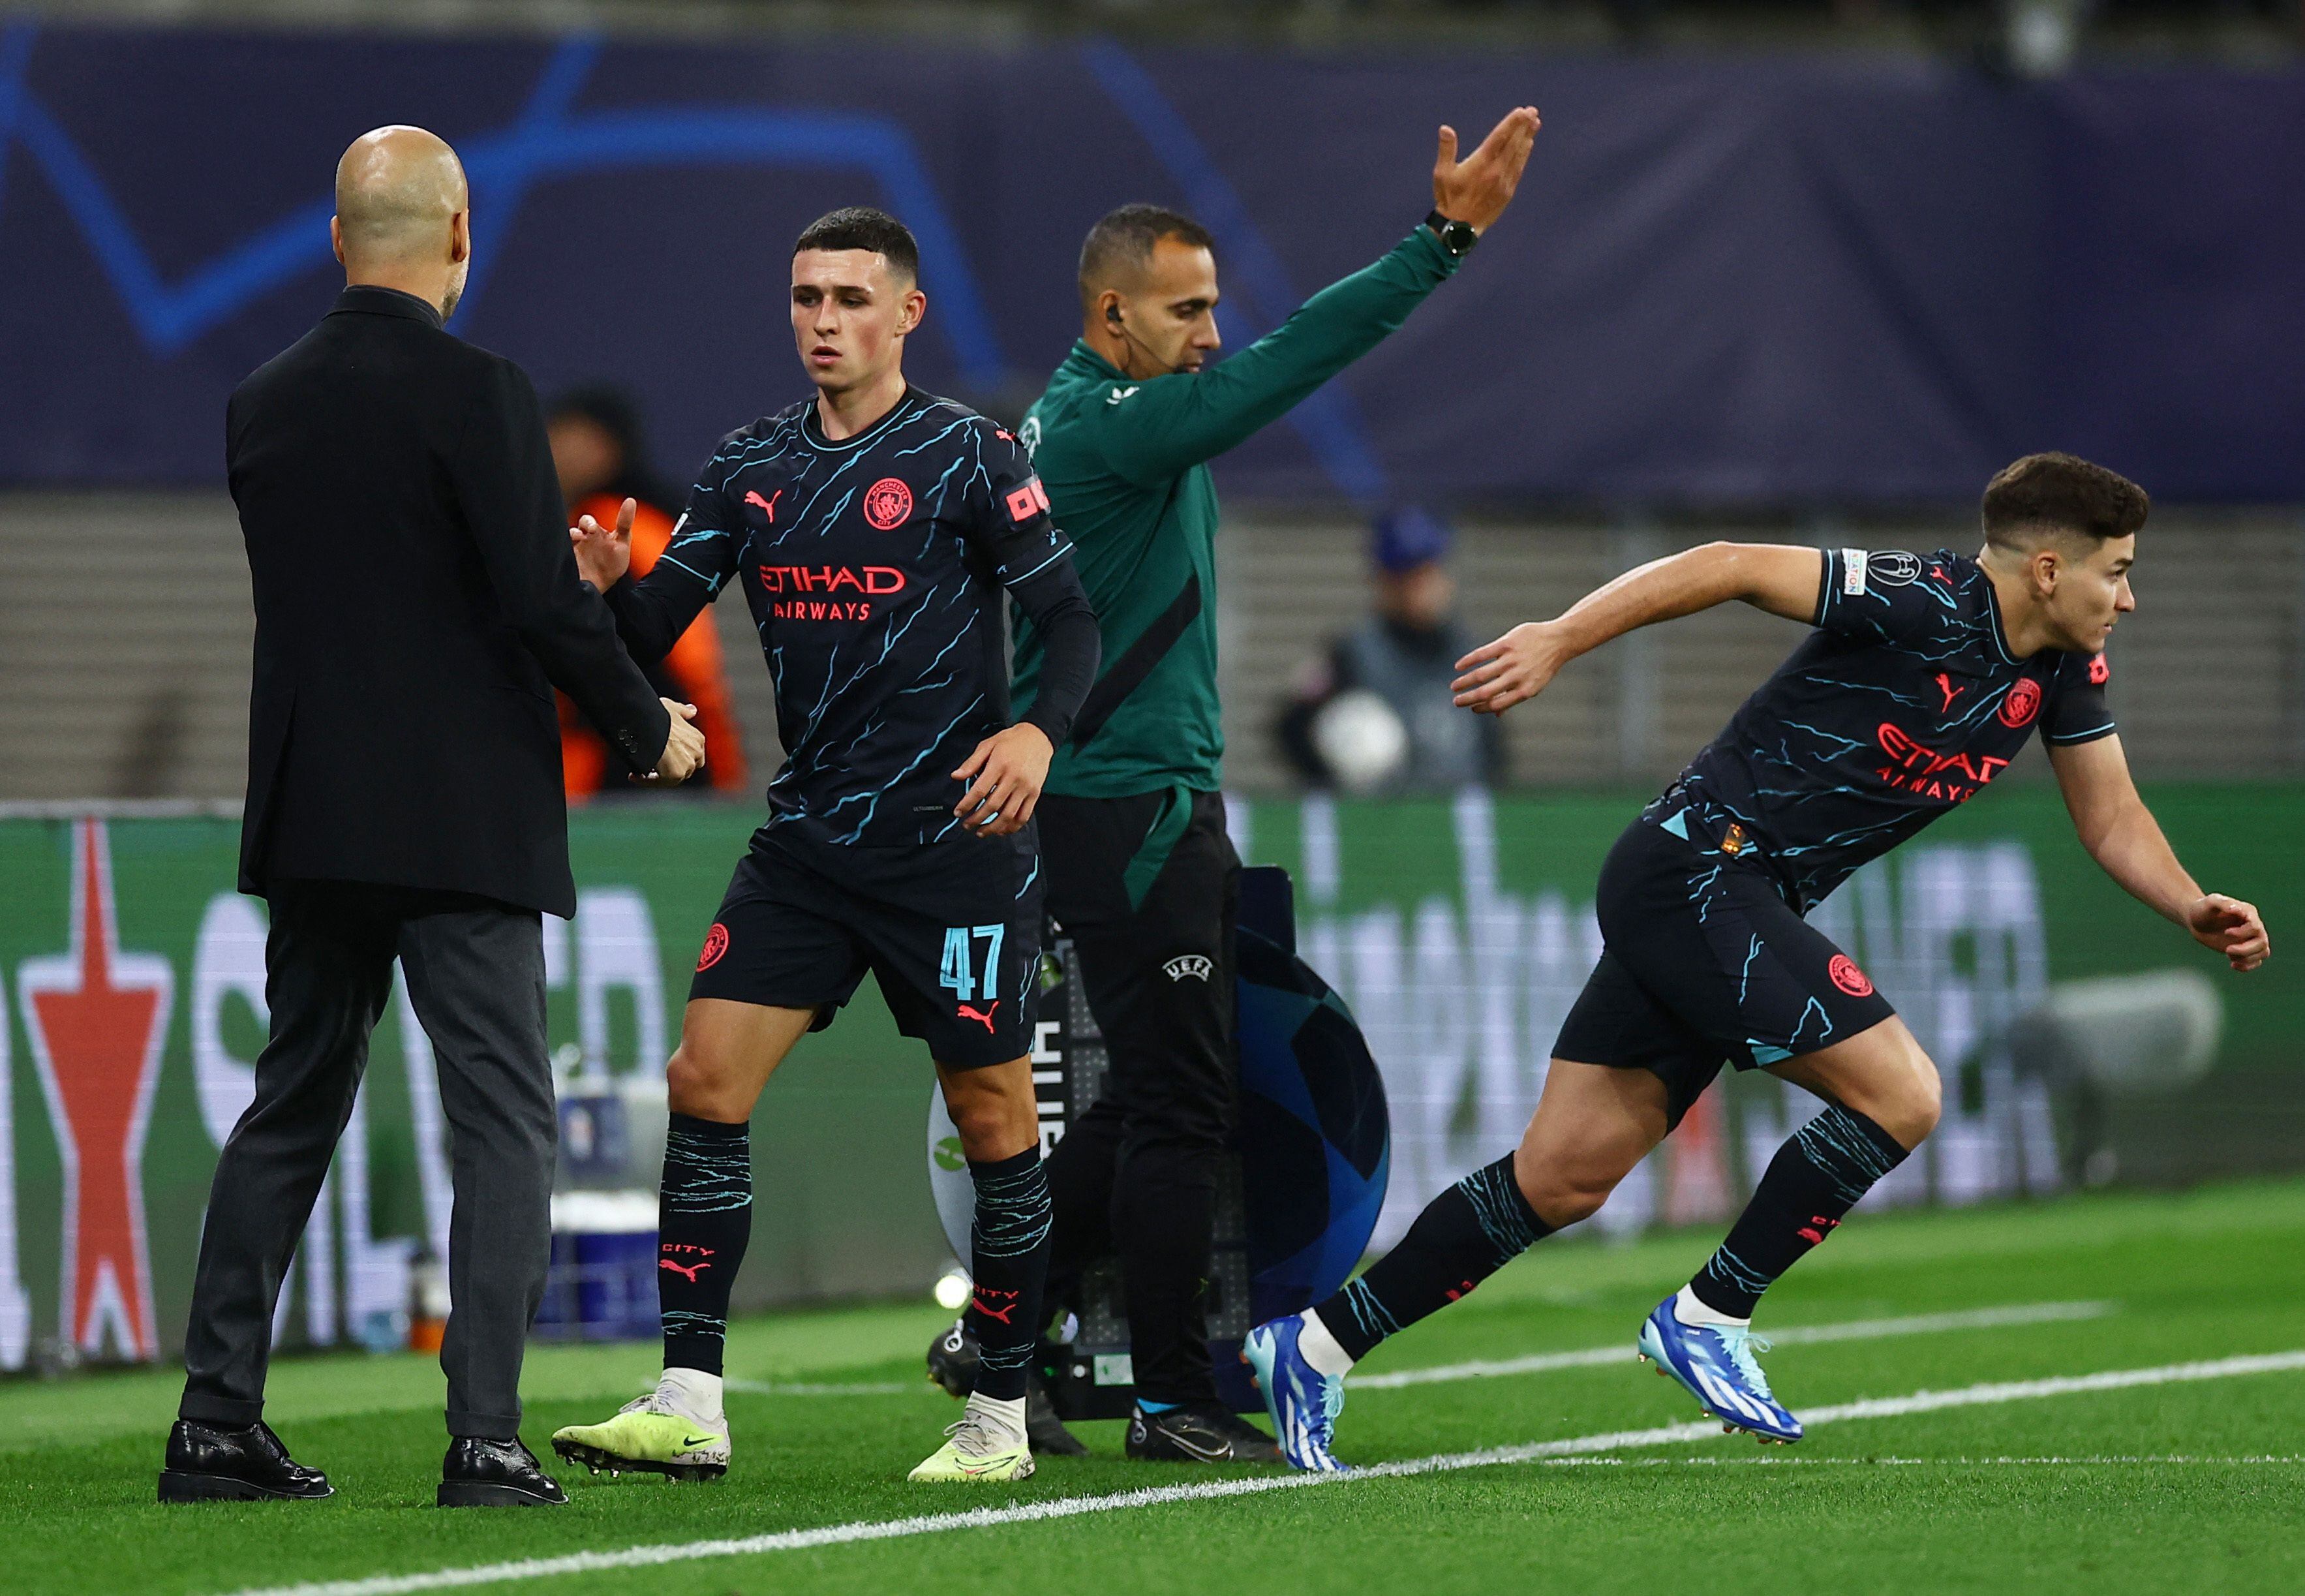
x=1703, y=963
x=951, y=931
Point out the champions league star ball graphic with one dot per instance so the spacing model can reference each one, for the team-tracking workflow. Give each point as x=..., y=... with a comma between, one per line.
x=1315, y=1137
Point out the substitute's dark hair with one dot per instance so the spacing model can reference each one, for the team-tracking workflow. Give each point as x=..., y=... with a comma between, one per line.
x=2055, y=492
x=862, y=227
x=1123, y=240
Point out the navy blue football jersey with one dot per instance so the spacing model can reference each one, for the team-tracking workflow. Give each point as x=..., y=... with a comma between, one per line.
x=1903, y=703
x=875, y=567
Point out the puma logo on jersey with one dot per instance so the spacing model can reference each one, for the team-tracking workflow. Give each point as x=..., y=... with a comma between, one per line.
x=1944, y=686
x=1119, y=394
x=767, y=506
x=1195, y=966
x=983, y=1017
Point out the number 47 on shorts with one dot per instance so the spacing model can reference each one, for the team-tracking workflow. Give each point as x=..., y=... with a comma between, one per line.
x=959, y=973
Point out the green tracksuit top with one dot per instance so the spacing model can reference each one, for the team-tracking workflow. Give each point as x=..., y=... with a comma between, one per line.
x=1125, y=463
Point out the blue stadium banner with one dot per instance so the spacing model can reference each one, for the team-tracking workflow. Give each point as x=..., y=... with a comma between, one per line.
x=1764, y=279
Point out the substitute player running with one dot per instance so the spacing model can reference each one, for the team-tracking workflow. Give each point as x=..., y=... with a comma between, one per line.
x=1141, y=874
x=1926, y=676
x=874, y=530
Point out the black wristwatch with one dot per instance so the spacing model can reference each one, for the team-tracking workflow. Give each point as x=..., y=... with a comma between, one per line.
x=1456, y=237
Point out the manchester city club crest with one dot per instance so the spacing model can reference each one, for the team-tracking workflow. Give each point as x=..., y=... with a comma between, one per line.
x=888, y=502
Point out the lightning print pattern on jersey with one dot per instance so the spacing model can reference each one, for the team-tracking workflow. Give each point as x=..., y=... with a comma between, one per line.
x=874, y=567
x=1904, y=702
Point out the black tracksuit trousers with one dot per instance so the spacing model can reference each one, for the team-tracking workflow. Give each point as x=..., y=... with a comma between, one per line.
x=1148, y=888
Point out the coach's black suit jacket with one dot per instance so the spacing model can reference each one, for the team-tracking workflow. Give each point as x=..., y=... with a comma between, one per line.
x=416, y=601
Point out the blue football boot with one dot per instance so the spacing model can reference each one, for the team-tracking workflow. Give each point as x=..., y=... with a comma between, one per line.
x=1303, y=1402
x=1715, y=1363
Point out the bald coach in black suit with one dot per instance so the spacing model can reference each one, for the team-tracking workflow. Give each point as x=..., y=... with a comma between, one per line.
x=416, y=601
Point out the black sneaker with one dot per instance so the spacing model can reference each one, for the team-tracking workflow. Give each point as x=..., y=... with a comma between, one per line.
x=1202, y=1432
x=1043, y=1429
x=953, y=1363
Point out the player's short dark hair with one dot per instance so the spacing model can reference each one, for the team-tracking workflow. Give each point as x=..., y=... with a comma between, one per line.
x=1125, y=238
x=862, y=227
x=2055, y=492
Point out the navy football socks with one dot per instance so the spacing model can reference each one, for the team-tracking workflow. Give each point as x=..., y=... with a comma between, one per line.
x=1463, y=1235
x=704, y=1217
x=1813, y=1180
x=1008, y=1251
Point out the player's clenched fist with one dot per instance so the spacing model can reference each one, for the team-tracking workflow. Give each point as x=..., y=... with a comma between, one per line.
x=1516, y=666
x=2227, y=926
x=604, y=553
x=1004, y=777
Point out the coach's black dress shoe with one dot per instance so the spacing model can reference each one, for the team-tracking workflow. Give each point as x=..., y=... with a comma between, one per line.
x=207, y=1463
x=484, y=1473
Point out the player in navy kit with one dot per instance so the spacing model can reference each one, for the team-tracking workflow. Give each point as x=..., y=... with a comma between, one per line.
x=875, y=530
x=1926, y=676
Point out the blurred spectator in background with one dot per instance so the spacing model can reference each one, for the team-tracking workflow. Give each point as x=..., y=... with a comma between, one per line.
x=1376, y=714
x=600, y=450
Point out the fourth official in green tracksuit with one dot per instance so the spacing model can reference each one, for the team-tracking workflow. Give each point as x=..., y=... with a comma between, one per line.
x=1140, y=873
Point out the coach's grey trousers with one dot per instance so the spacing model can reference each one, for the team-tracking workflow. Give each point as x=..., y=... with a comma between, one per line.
x=475, y=971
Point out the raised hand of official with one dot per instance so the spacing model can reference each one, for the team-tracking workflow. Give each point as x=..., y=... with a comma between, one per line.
x=1517, y=666
x=1004, y=777
x=1478, y=188
x=604, y=553
x=684, y=748
x=2228, y=927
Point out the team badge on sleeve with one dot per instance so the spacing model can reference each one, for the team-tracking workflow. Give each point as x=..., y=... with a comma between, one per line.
x=1026, y=501
x=1882, y=568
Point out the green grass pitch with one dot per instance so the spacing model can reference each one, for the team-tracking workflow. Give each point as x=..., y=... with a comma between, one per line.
x=2168, y=1486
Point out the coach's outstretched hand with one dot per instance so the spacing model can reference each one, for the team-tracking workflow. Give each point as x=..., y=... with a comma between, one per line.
x=1517, y=666
x=2227, y=926
x=684, y=746
x=604, y=553
x=1478, y=188
x=1004, y=776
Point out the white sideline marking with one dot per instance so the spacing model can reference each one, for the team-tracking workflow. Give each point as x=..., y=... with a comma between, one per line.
x=1907, y=1462
x=1861, y=1329
x=985, y=1518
